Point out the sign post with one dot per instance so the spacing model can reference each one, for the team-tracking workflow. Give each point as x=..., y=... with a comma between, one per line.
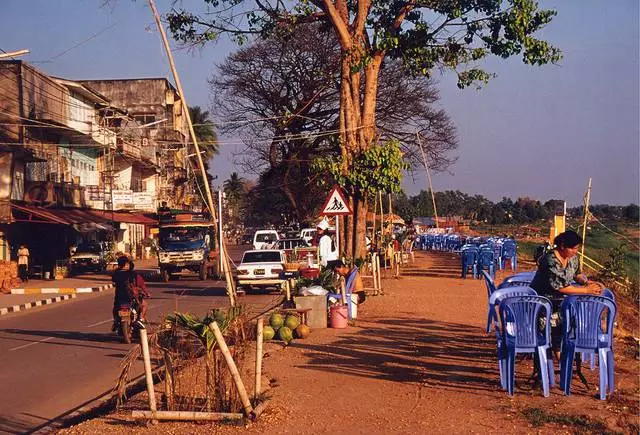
x=336, y=205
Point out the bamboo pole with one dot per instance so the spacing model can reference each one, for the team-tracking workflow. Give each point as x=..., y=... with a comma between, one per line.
x=343, y=292
x=258, y=385
x=203, y=172
x=242, y=391
x=147, y=369
x=379, y=275
x=426, y=168
x=584, y=223
x=186, y=415
x=14, y=54
x=259, y=410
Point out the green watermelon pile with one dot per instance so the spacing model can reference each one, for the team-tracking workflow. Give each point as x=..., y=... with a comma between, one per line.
x=285, y=328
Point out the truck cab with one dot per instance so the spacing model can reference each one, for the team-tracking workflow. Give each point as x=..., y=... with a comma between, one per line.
x=185, y=243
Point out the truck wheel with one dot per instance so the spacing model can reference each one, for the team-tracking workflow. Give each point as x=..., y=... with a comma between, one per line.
x=164, y=273
x=202, y=273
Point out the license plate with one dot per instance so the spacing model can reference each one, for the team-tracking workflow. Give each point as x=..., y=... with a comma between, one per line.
x=259, y=272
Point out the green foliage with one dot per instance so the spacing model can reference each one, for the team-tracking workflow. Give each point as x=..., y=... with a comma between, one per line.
x=453, y=35
x=326, y=280
x=200, y=326
x=380, y=168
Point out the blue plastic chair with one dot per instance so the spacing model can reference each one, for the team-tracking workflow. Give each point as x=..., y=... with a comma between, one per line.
x=510, y=252
x=583, y=332
x=520, y=333
x=498, y=295
x=486, y=261
x=605, y=293
x=469, y=258
x=518, y=279
x=497, y=252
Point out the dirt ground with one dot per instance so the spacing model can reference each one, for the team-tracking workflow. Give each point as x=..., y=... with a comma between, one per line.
x=416, y=361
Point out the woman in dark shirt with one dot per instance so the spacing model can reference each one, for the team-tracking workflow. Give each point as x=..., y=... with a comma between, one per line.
x=557, y=272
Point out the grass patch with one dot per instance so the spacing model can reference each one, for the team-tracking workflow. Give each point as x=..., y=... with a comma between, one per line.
x=582, y=424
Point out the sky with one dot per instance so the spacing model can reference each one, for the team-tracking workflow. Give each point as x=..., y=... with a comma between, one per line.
x=539, y=132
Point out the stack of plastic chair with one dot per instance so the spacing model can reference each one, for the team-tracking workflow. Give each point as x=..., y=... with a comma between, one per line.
x=583, y=320
x=487, y=261
x=497, y=252
x=498, y=295
x=510, y=252
x=521, y=332
x=469, y=259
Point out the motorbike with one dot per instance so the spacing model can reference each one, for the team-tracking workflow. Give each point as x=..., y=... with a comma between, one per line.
x=127, y=316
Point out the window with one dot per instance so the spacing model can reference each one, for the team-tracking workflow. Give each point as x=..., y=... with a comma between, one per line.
x=145, y=118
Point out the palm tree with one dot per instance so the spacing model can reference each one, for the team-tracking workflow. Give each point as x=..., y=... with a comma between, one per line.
x=235, y=188
x=207, y=138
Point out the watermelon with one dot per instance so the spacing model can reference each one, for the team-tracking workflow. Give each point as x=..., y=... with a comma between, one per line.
x=285, y=334
x=276, y=321
x=292, y=322
x=268, y=333
x=302, y=331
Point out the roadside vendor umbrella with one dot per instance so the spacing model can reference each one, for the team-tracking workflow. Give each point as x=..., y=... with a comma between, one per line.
x=394, y=219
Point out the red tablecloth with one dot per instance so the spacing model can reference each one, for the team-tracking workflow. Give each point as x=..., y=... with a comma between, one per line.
x=310, y=273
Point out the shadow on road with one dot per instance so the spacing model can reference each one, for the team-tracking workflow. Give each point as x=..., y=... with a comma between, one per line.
x=436, y=354
x=15, y=425
x=67, y=335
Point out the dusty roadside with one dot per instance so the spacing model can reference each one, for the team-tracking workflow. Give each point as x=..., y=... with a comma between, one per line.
x=417, y=361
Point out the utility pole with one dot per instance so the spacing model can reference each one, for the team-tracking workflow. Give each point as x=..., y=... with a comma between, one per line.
x=13, y=54
x=426, y=167
x=203, y=172
x=587, y=197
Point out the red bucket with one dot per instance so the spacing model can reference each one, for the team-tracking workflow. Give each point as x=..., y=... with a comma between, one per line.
x=338, y=316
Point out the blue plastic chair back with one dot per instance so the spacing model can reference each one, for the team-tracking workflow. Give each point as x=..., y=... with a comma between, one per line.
x=351, y=281
x=520, y=322
x=583, y=321
x=607, y=293
x=485, y=258
x=522, y=276
x=499, y=294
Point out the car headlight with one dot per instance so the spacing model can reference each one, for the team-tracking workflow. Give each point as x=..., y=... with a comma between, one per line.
x=95, y=260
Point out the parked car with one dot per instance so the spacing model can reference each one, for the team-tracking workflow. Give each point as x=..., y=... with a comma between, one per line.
x=265, y=239
x=259, y=266
x=247, y=239
x=87, y=257
x=308, y=234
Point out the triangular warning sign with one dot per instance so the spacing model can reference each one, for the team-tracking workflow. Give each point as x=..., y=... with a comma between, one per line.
x=336, y=204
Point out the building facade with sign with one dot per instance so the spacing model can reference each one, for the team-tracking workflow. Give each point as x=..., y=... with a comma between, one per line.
x=76, y=166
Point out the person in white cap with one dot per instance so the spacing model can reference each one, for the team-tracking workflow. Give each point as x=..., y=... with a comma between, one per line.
x=328, y=255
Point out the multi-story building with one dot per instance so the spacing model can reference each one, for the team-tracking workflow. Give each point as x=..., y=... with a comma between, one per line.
x=81, y=161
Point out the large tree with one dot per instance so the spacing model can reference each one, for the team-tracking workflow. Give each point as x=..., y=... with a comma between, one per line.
x=424, y=34
x=290, y=87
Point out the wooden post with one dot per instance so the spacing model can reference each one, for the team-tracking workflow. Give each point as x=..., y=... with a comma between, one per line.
x=379, y=275
x=343, y=291
x=192, y=132
x=426, y=168
x=147, y=369
x=242, y=391
x=258, y=386
x=186, y=415
x=587, y=197
x=168, y=380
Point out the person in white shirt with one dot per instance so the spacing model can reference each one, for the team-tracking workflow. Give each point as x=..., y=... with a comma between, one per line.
x=23, y=263
x=328, y=254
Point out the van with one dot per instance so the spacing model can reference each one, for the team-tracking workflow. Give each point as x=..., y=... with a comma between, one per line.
x=263, y=239
x=308, y=234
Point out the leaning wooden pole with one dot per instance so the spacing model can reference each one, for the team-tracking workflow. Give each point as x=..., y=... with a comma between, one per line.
x=587, y=197
x=235, y=374
x=144, y=342
x=203, y=172
x=186, y=415
x=426, y=168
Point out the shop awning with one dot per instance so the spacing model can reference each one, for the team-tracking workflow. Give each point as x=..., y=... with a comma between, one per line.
x=120, y=216
x=81, y=220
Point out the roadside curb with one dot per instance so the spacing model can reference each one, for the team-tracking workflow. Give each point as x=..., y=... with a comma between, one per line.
x=59, y=290
x=34, y=304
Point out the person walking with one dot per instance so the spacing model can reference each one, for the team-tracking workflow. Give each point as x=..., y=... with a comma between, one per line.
x=23, y=263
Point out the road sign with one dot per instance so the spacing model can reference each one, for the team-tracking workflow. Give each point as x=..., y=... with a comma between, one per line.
x=336, y=204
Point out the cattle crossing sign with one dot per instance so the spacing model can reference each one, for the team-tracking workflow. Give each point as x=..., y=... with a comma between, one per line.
x=336, y=204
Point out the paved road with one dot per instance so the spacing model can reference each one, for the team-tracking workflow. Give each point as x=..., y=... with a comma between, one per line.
x=55, y=359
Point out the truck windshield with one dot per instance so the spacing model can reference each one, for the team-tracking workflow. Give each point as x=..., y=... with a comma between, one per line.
x=265, y=237
x=181, y=238
x=261, y=257
x=92, y=248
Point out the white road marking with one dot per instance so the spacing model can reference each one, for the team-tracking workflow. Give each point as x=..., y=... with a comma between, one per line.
x=31, y=344
x=99, y=323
